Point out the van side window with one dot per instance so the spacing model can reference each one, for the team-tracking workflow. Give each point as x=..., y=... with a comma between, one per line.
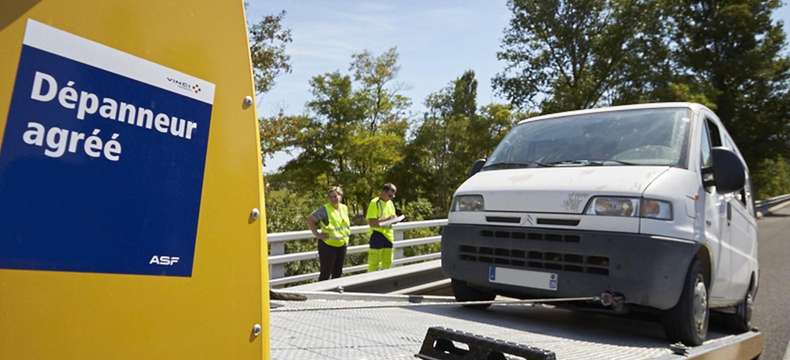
x=744, y=195
x=707, y=157
x=715, y=134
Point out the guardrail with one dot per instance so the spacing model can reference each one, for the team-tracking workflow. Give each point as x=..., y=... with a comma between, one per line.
x=278, y=258
x=762, y=207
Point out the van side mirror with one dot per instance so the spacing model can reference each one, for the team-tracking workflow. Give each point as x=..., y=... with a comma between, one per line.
x=477, y=166
x=729, y=173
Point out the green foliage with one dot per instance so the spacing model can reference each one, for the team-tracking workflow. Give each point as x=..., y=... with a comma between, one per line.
x=354, y=132
x=380, y=102
x=728, y=55
x=772, y=177
x=287, y=211
x=684, y=92
x=453, y=134
x=416, y=210
x=732, y=53
x=575, y=54
x=268, y=39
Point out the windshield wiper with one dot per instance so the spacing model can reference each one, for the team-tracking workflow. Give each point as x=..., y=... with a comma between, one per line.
x=619, y=162
x=514, y=165
x=569, y=162
x=584, y=162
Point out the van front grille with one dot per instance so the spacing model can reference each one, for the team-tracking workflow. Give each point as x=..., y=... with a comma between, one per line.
x=564, y=222
x=534, y=259
x=504, y=219
x=530, y=235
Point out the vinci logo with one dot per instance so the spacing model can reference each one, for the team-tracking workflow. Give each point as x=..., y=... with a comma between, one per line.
x=183, y=85
x=163, y=260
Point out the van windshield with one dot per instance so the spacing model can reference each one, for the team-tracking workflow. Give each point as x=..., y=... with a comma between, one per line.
x=613, y=138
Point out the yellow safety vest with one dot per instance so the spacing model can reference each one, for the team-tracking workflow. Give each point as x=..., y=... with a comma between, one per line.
x=339, y=228
x=380, y=209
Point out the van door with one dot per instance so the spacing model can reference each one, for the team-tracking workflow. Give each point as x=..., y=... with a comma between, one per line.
x=742, y=235
x=715, y=212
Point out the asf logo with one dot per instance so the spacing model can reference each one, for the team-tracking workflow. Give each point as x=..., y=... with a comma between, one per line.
x=163, y=260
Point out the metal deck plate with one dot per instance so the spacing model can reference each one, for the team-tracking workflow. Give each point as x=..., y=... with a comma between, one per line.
x=397, y=333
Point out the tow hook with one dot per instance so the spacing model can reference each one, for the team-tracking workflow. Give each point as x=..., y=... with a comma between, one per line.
x=610, y=299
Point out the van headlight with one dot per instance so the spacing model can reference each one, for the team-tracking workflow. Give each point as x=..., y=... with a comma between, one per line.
x=655, y=209
x=468, y=203
x=627, y=206
x=613, y=206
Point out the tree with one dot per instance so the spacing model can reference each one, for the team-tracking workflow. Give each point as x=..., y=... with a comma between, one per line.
x=452, y=135
x=375, y=73
x=354, y=131
x=732, y=51
x=576, y=54
x=726, y=55
x=268, y=39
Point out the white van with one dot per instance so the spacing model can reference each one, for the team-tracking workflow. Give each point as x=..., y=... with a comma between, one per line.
x=647, y=206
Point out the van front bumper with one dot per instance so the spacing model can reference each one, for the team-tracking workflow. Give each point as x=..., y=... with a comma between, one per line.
x=647, y=270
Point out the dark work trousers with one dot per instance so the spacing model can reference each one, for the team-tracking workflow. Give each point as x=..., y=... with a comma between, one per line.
x=379, y=241
x=331, y=259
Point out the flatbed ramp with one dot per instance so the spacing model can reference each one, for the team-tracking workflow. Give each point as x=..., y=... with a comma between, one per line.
x=371, y=326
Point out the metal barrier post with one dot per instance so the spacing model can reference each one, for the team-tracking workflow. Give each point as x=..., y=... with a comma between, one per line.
x=398, y=237
x=276, y=271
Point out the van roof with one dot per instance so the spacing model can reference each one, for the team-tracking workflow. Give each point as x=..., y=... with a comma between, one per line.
x=692, y=106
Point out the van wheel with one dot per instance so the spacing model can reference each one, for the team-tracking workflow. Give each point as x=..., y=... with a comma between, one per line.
x=741, y=321
x=464, y=292
x=687, y=322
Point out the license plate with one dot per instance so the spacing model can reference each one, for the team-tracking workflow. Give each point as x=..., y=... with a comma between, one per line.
x=526, y=278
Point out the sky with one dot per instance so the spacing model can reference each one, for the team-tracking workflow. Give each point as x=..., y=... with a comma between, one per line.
x=437, y=41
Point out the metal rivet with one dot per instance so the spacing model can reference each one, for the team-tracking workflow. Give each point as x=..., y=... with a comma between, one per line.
x=256, y=330
x=247, y=101
x=254, y=214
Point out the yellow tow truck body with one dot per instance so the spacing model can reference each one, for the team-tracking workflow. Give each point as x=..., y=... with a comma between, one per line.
x=54, y=306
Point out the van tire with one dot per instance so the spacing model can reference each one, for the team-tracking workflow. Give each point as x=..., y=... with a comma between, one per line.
x=741, y=320
x=464, y=292
x=687, y=322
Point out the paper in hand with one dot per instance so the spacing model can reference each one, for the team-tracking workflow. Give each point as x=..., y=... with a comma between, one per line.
x=392, y=221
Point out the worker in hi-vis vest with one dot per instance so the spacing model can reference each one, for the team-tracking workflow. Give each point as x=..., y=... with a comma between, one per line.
x=382, y=238
x=333, y=238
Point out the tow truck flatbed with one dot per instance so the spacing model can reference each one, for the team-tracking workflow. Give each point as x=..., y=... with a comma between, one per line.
x=373, y=326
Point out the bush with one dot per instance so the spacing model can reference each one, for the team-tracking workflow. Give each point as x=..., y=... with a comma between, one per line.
x=772, y=178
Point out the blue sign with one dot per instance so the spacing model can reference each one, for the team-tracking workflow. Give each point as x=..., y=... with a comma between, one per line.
x=102, y=160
